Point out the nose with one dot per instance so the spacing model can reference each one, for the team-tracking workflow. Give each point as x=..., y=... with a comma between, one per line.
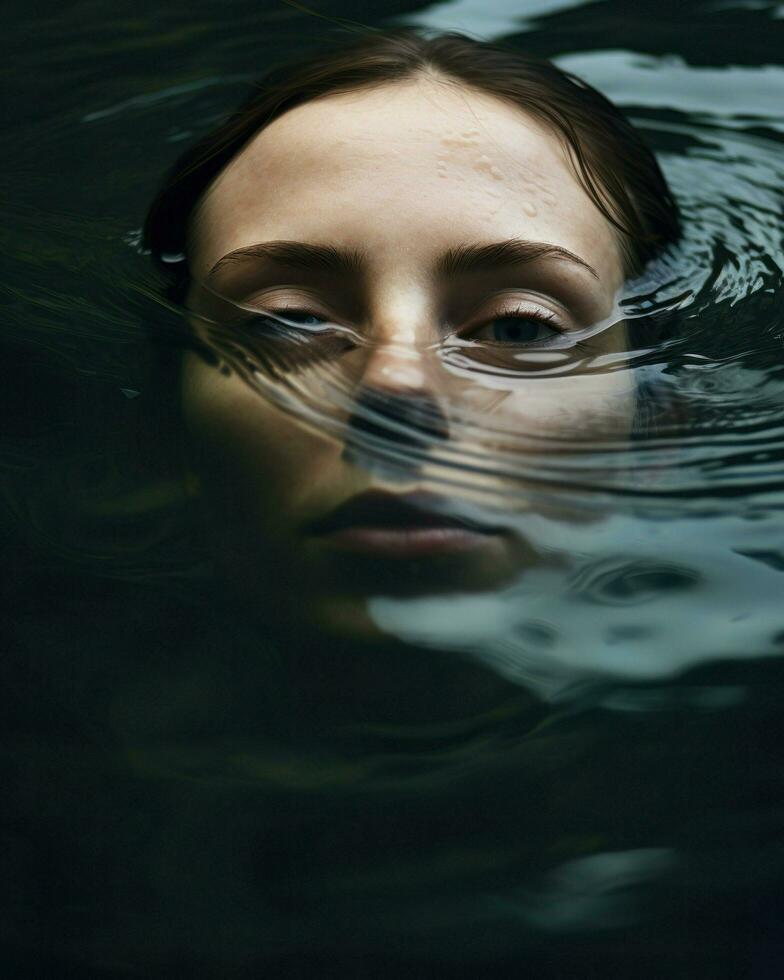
x=406, y=419
x=396, y=400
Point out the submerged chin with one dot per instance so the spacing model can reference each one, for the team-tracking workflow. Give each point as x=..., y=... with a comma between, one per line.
x=346, y=618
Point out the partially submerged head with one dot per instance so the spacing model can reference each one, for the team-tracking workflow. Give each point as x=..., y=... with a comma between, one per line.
x=409, y=191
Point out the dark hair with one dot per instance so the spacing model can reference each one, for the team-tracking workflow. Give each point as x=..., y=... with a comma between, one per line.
x=610, y=159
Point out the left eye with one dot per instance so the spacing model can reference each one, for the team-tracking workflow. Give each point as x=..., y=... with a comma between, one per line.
x=516, y=329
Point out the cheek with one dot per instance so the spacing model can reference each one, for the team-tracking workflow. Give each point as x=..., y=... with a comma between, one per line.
x=252, y=461
x=562, y=408
x=581, y=405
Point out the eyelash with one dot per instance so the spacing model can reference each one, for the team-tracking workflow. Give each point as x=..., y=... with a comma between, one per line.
x=526, y=313
x=289, y=311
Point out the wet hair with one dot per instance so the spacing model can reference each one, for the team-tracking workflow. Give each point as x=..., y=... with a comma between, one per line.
x=609, y=157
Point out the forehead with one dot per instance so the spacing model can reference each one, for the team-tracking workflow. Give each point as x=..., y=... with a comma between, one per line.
x=402, y=170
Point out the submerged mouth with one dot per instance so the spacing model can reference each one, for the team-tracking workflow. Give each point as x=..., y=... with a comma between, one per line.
x=398, y=526
x=391, y=511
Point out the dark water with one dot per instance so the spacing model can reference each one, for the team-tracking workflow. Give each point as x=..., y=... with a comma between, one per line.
x=181, y=801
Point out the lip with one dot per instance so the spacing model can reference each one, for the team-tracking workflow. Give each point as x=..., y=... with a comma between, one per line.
x=393, y=525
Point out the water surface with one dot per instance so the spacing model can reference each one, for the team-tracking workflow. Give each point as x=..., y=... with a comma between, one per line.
x=169, y=812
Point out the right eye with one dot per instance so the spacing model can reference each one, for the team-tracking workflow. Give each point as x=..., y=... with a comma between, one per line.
x=303, y=318
x=294, y=339
x=282, y=324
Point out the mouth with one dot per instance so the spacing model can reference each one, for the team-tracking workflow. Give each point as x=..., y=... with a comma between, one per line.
x=392, y=525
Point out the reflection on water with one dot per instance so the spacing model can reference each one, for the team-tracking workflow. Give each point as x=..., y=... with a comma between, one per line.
x=502, y=18
x=183, y=797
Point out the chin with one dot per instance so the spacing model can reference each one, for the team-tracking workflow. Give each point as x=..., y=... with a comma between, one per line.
x=344, y=619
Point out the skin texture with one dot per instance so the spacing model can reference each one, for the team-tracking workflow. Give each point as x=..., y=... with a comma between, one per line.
x=400, y=174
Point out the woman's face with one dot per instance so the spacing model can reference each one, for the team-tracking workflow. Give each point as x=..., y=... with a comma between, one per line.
x=396, y=199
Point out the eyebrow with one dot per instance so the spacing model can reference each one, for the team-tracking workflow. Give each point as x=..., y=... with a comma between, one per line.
x=514, y=251
x=351, y=262
x=312, y=258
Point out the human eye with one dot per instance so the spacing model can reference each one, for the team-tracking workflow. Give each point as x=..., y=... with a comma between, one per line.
x=291, y=338
x=289, y=318
x=522, y=326
x=302, y=318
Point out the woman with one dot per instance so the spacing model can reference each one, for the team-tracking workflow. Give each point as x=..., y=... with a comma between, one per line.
x=400, y=260
x=364, y=761
x=409, y=245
